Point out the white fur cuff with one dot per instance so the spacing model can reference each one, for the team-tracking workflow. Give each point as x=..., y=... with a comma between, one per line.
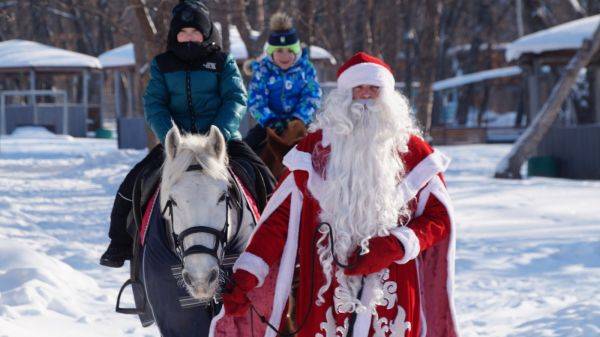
x=409, y=240
x=254, y=265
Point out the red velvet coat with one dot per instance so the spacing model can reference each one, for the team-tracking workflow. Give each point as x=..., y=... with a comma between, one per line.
x=418, y=288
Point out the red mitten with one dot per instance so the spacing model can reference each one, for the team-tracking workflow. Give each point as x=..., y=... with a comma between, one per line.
x=235, y=301
x=383, y=251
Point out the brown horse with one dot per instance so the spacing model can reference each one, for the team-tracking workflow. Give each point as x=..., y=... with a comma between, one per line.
x=277, y=146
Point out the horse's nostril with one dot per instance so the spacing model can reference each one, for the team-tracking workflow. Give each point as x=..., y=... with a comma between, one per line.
x=213, y=276
x=186, y=278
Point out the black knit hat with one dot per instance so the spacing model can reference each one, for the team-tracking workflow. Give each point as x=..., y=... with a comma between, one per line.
x=194, y=14
x=283, y=34
x=283, y=38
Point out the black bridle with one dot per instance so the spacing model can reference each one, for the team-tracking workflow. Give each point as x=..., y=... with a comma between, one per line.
x=221, y=241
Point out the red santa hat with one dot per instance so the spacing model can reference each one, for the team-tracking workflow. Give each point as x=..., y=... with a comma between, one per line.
x=364, y=69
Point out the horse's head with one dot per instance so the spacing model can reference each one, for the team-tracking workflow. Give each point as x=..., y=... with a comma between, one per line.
x=279, y=145
x=194, y=197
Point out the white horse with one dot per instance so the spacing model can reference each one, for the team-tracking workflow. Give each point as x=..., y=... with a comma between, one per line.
x=202, y=210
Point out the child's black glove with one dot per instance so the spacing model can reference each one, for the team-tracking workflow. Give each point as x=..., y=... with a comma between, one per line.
x=279, y=126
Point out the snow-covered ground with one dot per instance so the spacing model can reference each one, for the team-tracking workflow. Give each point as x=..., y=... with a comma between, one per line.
x=528, y=257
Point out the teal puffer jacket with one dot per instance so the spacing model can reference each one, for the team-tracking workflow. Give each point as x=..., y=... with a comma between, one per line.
x=218, y=96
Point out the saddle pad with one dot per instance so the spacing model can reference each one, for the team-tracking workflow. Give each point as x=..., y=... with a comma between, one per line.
x=249, y=199
x=147, y=213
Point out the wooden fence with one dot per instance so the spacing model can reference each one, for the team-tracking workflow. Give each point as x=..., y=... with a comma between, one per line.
x=576, y=149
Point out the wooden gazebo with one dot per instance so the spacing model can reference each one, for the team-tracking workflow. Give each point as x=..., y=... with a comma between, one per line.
x=574, y=140
x=20, y=58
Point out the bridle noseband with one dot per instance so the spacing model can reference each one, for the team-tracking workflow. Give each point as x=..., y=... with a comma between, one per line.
x=220, y=235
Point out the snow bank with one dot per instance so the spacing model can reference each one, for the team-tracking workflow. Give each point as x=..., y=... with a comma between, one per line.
x=33, y=281
x=568, y=35
x=55, y=199
x=36, y=132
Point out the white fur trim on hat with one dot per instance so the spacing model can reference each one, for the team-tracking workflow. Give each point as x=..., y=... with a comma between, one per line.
x=366, y=74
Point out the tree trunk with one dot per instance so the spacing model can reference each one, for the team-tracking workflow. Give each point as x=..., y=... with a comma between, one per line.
x=408, y=47
x=240, y=20
x=525, y=146
x=148, y=42
x=305, y=21
x=429, y=43
x=336, y=22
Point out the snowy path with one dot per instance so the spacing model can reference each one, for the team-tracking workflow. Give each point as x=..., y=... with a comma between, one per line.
x=55, y=201
x=528, y=257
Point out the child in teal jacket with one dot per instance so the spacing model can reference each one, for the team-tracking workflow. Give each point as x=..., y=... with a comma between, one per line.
x=193, y=85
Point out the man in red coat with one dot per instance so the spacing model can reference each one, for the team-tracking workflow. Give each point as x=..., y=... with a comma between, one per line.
x=364, y=217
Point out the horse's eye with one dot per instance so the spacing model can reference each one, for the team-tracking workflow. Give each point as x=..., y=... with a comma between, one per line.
x=222, y=197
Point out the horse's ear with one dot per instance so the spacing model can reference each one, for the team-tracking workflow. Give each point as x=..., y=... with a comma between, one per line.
x=217, y=141
x=172, y=141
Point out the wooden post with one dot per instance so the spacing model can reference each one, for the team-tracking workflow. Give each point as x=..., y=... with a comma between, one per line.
x=117, y=92
x=85, y=95
x=533, y=87
x=596, y=93
x=130, y=80
x=32, y=98
x=102, y=99
x=3, y=128
x=65, y=115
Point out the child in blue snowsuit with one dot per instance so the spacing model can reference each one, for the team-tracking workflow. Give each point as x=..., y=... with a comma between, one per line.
x=284, y=84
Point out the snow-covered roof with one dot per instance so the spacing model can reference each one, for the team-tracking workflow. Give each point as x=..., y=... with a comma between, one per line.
x=476, y=77
x=318, y=53
x=568, y=35
x=29, y=54
x=123, y=56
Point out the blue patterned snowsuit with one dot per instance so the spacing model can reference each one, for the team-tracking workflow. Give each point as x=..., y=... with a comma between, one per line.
x=278, y=95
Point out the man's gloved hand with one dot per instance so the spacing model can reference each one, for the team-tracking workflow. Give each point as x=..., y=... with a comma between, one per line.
x=235, y=300
x=383, y=251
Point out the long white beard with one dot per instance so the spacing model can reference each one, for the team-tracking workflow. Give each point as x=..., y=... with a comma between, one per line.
x=358, y=196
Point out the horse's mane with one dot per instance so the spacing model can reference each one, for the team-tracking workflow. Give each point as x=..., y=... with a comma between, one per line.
x=194, y=149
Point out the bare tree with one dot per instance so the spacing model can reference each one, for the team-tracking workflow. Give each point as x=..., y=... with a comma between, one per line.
x=254, y=43
x=429, y=40
x=525, y=146
x=305, y=20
